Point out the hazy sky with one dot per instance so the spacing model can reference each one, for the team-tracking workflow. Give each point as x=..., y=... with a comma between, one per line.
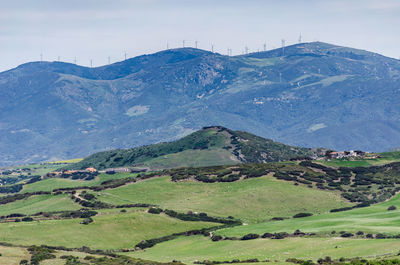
x=97, y=29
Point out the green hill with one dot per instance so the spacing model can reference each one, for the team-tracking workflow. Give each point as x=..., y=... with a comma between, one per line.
x=215, y=213
x=207, y=147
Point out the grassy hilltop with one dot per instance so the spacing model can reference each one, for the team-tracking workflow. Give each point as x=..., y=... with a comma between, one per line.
x=206, y=147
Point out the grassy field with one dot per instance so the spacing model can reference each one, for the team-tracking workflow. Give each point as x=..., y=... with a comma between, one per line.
x=190, y=249
x=39, y=203
x=252, y=200
x=41, y=169
x=192, y=158
x=68, y=161
x=110, y=229
x=387, y=157
x=56, y=183
x=373, y=219
x=13, y=255
x=255, y=201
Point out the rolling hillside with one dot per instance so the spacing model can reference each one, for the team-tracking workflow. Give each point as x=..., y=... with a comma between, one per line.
x=314, y=94
x=243, y=213
x=209, y=146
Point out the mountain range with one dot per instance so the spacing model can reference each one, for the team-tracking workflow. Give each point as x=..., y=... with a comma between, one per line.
x=309, y=94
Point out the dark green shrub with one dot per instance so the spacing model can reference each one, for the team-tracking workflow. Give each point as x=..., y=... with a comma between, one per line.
x=347, y=235
x=278, y=218
x=88, y=196
x=267, y=235
x=280, y=235
x=341, y=209
x=301, y=215
x=216, y=238
x=250, y=236
x=392, y=208
x=86, y=221
x=154, y=210
x=380, y=236
x=39, y=253
x=299, y=233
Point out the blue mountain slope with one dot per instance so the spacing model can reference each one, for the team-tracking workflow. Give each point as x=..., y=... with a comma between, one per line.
x=310, y=94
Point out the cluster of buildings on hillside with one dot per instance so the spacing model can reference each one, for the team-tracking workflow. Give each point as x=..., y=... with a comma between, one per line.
x=345, y=154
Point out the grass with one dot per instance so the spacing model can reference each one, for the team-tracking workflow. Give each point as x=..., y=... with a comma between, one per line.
x=192, y=158
x=189, y=249
x=202, y=139
x=373, y=219
x=252, y=200
x=385, y=158
x=39, y=203
x=13, y=255
x=34, y=169
x=110, y=230
x=68, y=161
x=56, y=183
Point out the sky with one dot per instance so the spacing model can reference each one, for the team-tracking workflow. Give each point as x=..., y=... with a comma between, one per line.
x=104, y=30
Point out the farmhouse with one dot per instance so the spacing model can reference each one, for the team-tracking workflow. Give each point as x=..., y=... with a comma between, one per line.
x=345, y=154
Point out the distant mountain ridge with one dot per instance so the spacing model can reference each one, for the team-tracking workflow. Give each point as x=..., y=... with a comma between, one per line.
x=310, y=94
x=209, y=146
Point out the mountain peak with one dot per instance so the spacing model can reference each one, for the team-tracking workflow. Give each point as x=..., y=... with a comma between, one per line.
x=315, y=48
x=314, y=94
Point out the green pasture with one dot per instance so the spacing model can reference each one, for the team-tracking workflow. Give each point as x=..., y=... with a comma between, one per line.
x=110, y=230
x=190, y=249
x=192, y=158
x=39, y=203
x=373, y=219
x=252, y=200
x=57, y=183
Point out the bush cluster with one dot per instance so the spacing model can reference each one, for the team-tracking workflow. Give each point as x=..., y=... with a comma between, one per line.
x=40, y=253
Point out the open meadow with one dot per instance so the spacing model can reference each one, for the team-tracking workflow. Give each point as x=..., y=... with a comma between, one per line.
x=251, y=200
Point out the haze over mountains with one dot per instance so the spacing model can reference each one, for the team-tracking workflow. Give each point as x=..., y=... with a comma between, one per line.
x=309, y=94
